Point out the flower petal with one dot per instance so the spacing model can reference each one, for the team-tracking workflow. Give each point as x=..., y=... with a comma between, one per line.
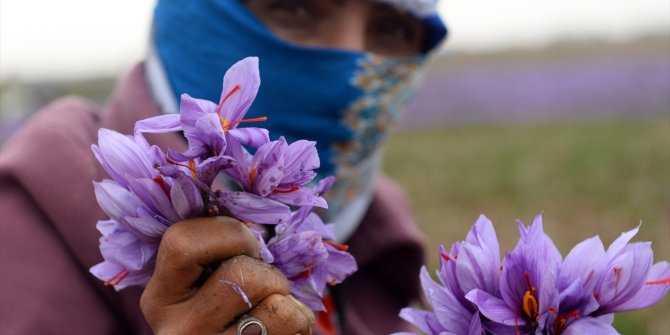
x=452, y=315
x=250, y=136
x=245, y=75
x=192, y=109
x=159, y=124
x=121, y=157
x=624, y=276
x=154, y=194
x=252, y=208
x=301, y=159
x=301, y=197
x=239, y=291
x=186, y=198
x=210, y=168
x=297, y=253
x=269, y=163
x=147, y=226
x=621, y=242
x=265, y=253
x=584, y=263
x=116, y=201
x=338, y=266
x=590, y=326
x=424, y=320
x=655, y=287
x=304, y=291
x=494, y=308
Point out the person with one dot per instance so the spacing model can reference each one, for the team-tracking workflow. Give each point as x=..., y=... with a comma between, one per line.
x=338, y=72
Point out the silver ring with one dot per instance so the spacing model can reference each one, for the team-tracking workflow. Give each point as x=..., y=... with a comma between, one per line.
x=249, y=325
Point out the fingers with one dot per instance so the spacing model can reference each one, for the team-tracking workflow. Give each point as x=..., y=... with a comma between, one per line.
x=281, y=315
x=219, y=299
x=188, y=246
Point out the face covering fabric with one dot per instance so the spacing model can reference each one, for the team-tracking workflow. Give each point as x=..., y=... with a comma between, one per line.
x=345, y=101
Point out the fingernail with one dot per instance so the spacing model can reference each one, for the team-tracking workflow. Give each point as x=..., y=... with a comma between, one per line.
x=306, y=311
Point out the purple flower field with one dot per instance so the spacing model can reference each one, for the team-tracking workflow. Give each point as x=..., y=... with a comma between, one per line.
x=561, y=83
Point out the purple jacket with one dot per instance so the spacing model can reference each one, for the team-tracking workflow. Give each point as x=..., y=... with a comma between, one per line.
x=48, y=239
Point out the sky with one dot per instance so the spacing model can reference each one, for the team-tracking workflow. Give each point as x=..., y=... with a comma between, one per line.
x=42, y=39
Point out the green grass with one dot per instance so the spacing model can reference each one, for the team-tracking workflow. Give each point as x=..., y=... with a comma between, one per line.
x=598, y=178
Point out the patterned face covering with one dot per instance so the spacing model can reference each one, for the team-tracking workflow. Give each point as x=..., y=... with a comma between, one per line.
x=346, y=101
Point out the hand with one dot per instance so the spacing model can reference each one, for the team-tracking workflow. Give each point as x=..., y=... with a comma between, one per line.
x=178, y=301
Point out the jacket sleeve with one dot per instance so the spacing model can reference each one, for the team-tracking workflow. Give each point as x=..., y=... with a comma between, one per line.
x=388, y=248
x=47, y=231
x=44, y=290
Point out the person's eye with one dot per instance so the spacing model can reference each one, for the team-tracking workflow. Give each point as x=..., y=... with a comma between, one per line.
x=396, y=30
x=293, y=12
x=396, y=35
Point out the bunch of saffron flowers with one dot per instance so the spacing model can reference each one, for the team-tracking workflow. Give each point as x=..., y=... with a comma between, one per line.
x=534, y=290
x=151, y=190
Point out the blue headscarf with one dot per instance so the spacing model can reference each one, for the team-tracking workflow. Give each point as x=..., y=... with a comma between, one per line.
x=346, y=101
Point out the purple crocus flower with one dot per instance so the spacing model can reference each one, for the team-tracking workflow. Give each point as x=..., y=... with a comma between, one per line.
x=141, y=203
x=629, y=281
x=468, y=265
x=527, y=285
x=449, y=315
x=595, y=283
x=128, y=260
x=122, y=206
x=278, y=171
x=473, y=263
x=124, y=157
x=303, y=250
x=208, y=126
x=140, y=196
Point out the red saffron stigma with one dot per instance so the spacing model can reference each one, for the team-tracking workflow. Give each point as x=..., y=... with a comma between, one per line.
x=588, y=278
x=526, y=276
x=617, y=274
x=574, y=314
x=302, y=275
x=117, y=278
x=190, y=166
x=516, y=326
x=235, y=89
x=445, y=256
x=159, y=180
x=342, y=247
x=227, y=125
x=659, y=282
x=292, y=189
x=562, y=320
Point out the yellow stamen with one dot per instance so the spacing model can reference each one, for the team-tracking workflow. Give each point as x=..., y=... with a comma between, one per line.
x=252, y=175
x=530, y=305
x=191, y=166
